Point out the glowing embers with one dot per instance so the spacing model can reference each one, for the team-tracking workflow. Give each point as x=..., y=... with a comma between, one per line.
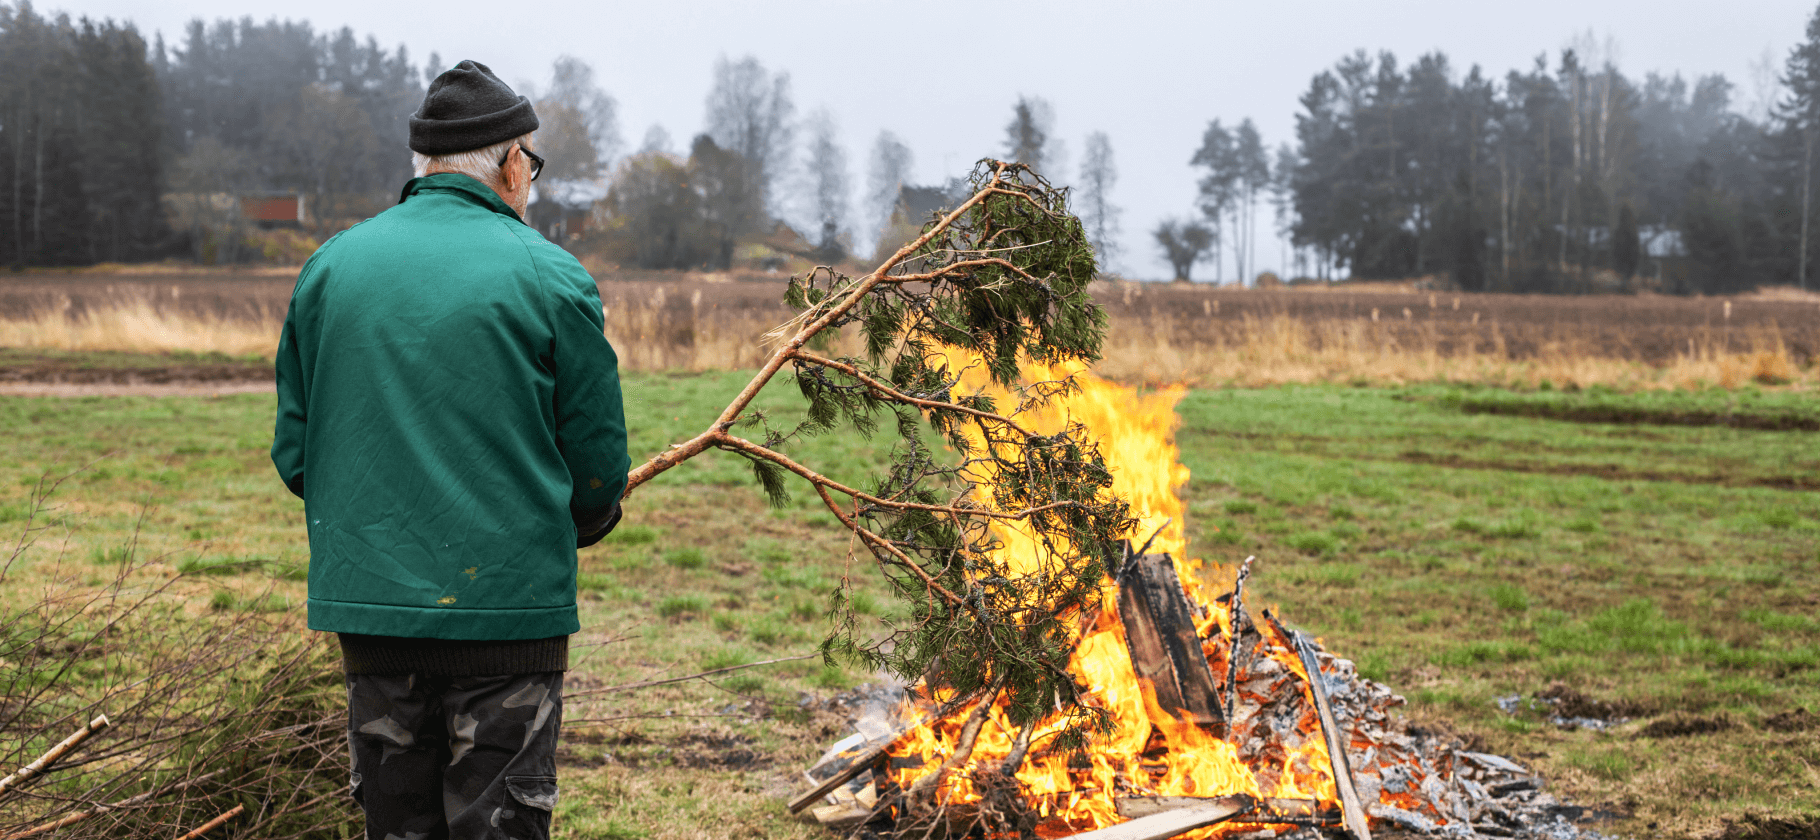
x=1190, y=724
x=1215, y=727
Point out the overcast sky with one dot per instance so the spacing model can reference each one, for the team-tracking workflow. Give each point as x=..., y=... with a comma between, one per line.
x=943, y=74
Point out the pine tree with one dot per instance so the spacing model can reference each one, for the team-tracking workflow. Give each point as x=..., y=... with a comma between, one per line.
x=1028, y=136
x=1799, y=118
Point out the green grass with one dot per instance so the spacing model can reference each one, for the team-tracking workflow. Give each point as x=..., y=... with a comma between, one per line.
x=1669, y=566
x=1747, y=407
x=1458, y=556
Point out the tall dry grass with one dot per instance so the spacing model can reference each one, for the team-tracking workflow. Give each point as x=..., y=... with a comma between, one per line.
x=136, y=323
x=1277, y=349
x=696, y=324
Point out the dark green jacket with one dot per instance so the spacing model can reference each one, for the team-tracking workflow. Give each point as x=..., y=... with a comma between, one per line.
x=448, y=409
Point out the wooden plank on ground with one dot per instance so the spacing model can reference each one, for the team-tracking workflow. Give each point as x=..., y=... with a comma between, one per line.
x=1170, y=823
x=1286, y=811
x=1352, y=811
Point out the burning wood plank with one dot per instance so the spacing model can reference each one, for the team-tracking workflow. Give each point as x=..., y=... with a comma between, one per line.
x=871, y=756
x=1352, y=811
x=1180, y=820
x=861, y=763
x=1245, y=638
x=1306, y=812
x=1159, y=631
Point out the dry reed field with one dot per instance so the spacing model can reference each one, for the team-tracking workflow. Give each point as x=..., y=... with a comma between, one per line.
x=1160, y=333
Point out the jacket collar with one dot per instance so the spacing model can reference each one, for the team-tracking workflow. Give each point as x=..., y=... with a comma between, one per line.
x=463, y=185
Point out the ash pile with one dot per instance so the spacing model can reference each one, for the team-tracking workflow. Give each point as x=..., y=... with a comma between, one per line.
x=1380, y=774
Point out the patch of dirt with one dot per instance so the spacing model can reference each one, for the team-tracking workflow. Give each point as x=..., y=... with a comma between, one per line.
x=1774, y=422
x=1793, y=720
x=63, y=374
x=1680, y=725
x=1570, y=703
x=696, y=750
x=720, y=752
x=1760, y=827
x=1610, y=472
x=171, y=389
x=25, y=373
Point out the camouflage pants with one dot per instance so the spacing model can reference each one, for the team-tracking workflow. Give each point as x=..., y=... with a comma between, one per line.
x=455, y=758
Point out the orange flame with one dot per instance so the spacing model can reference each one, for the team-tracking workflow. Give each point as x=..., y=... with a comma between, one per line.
x=1149, y=752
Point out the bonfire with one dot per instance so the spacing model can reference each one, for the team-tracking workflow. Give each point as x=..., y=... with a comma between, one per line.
x=1218, y=729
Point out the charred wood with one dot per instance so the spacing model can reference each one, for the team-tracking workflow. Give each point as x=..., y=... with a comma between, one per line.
x=1165, y=651
x=865, y=760
x=1245, y=640
x=1352, y=810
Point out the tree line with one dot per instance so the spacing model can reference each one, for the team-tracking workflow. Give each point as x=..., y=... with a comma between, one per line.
x=79, y=169
x=117, y=149
x=1567, y=176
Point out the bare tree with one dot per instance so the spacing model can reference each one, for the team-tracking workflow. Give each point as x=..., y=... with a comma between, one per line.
x=1098, y=213
x=1765, y=87
x=572, y=87
x=1282, y=197
x=657, y=139
x=887, y=175
x=749, y=113
x=1252, y=170
x=563, y=141
x=826, y=187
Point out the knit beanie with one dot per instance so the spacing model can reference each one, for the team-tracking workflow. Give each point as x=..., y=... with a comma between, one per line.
x=469, y=108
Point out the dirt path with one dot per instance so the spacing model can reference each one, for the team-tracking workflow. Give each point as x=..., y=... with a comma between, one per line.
x=133, y=389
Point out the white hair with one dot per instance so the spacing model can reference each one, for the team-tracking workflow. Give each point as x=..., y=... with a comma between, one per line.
x=480, y=164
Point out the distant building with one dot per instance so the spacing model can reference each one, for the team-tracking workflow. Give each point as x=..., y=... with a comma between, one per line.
x=273, y=210
x=915, y=205
x=560, y=209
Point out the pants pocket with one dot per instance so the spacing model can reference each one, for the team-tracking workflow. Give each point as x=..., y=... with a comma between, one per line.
x=526, y=814
x=533, y=791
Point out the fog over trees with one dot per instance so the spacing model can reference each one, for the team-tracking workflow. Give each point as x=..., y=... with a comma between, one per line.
x=1566, y=175
x=1099, y=174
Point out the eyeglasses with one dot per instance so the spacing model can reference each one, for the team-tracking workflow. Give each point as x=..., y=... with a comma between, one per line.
x=536, y=162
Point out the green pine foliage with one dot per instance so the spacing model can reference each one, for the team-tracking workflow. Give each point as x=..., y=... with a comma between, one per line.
x=998, y=283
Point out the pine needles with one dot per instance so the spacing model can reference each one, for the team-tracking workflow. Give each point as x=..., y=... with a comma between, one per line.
x=949, y=325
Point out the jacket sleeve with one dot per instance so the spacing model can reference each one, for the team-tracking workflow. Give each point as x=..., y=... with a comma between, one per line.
x=590, y=417
x=287, y=433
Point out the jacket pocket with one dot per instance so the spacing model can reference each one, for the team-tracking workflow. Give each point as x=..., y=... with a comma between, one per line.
x=533, y=791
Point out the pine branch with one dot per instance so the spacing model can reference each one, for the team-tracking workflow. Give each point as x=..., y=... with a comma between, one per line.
x=950, y=323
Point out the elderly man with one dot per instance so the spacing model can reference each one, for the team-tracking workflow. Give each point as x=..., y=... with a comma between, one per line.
x=449, y=411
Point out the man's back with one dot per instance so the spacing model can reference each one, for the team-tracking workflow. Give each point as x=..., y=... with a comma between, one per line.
x=446, y=397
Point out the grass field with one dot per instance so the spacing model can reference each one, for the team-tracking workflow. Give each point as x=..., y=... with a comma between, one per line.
x=1462, y=544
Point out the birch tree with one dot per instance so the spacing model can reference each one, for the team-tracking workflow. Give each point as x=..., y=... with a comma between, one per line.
x=1099, y=173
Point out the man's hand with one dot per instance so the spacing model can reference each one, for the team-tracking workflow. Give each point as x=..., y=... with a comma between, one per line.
x=590, y=529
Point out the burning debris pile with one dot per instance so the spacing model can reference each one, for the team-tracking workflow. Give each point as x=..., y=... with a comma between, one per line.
x=1213, y=725
x=1267, y=775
